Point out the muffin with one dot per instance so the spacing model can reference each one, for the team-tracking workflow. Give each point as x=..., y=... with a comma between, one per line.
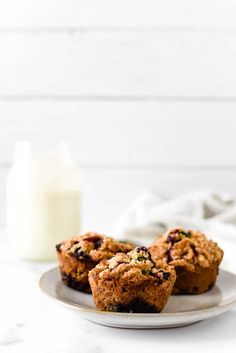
x=78, y=255
x=131, y=282
x=195, y=258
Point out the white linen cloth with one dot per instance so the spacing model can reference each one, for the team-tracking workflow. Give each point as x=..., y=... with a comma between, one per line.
x=150, y=215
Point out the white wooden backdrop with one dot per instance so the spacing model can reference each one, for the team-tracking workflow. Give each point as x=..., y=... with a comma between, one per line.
x=144, y=90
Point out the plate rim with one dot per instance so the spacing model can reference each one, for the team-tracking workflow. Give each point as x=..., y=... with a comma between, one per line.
x=217, y=309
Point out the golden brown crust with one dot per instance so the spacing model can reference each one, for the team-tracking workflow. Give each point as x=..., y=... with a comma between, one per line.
x=195, y=258
x=78, y=255
x=131, y=282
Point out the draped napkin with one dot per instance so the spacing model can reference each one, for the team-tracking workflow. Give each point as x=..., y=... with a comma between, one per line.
x=151, y=215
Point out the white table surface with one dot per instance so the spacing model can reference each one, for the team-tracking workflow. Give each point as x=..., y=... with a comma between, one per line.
x=31, y=322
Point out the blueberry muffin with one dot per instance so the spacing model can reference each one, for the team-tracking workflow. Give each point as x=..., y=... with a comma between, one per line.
x=195, y=258
x=78, y=255
x=131, y=282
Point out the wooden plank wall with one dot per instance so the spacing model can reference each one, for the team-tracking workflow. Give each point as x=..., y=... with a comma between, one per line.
x=144, y=91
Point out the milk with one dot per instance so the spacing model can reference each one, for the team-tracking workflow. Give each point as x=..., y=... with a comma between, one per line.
x=43, y=202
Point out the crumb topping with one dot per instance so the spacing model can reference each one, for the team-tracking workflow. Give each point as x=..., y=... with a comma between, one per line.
x=136, y=256
x=137, y=262
x=93, y=246
x=186, y=249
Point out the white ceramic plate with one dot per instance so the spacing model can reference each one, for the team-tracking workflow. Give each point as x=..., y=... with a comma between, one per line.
x=179, y=311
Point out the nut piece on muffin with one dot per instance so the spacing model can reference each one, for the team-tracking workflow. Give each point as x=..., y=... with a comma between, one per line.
x=131, y=282
x=78, y=255
x=195, y=258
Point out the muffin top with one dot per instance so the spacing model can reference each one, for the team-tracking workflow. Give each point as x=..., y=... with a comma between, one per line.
x=133, y=268
x=189, y=249
x=92, y=246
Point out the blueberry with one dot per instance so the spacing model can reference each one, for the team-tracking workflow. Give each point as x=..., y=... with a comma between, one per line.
x=97, y=241
x=174, y=231
x=166, y=275
x=168, y=255
x=141, y=248
x=194, y=250
x=72, y=282
x=177, y=235
x=158, y=278
x=170, y=239
x=79, y=254
x=137, y=305
x=58, y=247
x=160, y=275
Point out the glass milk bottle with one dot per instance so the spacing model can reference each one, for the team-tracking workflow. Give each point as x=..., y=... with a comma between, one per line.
x=43, y=202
